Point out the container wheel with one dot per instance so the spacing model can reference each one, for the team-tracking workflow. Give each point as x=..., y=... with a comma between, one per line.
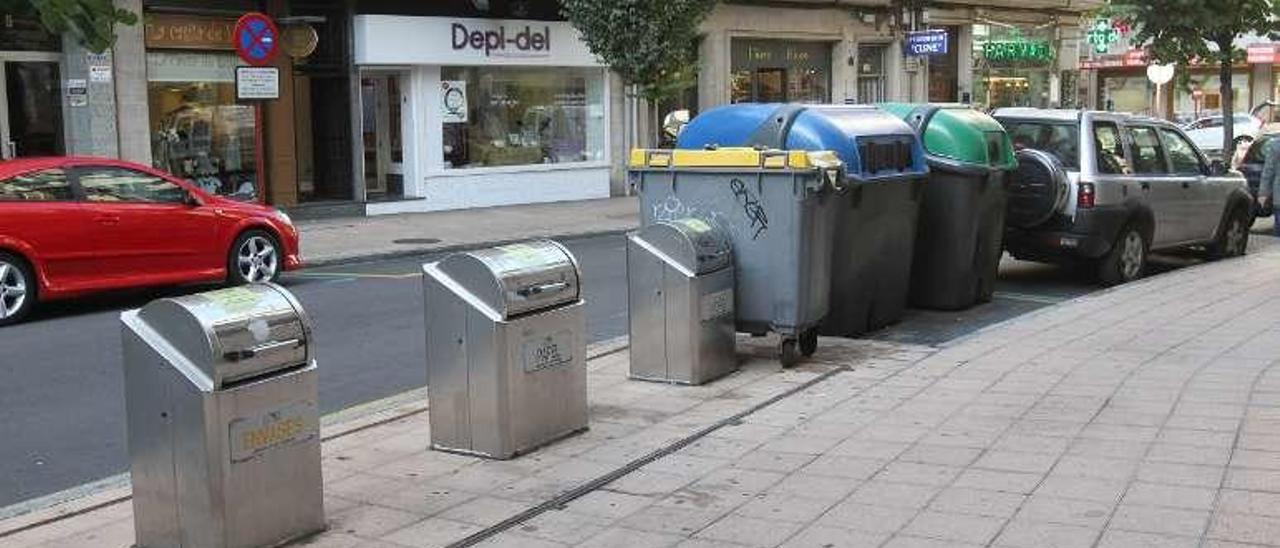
x=809, y=342
x=788, y=352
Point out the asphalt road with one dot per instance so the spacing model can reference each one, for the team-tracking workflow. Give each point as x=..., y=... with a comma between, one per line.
x=61, y=394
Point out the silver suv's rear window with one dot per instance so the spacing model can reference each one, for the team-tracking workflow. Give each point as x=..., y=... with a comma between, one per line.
x=1061, y=139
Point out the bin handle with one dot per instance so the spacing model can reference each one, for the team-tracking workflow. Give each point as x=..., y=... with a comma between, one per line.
x=538, y=289
x=255, y=351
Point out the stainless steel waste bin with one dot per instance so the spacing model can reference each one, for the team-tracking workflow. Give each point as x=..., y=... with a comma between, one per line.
x=506, y=349
x=680, y=297
x=223, y=429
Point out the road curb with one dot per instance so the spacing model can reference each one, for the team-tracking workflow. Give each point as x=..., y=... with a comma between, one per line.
x=98, y=494
x=450, y=248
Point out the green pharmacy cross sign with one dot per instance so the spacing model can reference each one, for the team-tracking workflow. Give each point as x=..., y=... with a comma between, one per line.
x=1102, y=34
x=1019, y=50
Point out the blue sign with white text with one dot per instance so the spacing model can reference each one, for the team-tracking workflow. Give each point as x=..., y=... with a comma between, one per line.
x=926, y=42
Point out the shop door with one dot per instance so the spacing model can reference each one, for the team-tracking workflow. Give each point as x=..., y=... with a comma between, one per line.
x=30, y=109
x=383, y=150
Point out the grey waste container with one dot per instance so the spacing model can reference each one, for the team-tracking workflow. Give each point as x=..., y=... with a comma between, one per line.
x=680, y=302
x=775, y=206
x=506, y=349
x=223, y=428
x=962, y=213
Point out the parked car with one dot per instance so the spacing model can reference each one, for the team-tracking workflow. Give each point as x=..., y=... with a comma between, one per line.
x=1206, y=132
x=1251, y=166
x=1109, y=188
x=71, y=226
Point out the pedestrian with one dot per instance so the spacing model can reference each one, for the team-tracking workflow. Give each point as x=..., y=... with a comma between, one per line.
x=1269, y=186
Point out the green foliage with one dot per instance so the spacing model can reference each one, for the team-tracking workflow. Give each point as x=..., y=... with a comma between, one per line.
x=92, y=22
x=1191, y=31
x=650, y=43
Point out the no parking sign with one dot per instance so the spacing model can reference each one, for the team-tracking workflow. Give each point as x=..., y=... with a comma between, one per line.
x=256, y=38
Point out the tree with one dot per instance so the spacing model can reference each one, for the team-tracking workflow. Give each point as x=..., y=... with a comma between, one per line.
x=1189, y=31
x=651, y=44
x=91, y=22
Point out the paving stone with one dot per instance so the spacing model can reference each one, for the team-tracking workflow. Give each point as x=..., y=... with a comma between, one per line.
x=773, y=461
x=972, y=529
x=1181, y=474
x=902, y=495
x=1267, y=460
x=840, y=466
x=818, y=536
x=1067, y=487
x=432, y=533
x=815, y=486
x=785, y=507
x=513, y=540
x=562, y=526
x=867, y=517
x=868, y=449
x=911, y=541
x=648, y=482
x=1095, y=467
x=1245, y=528
x=1252, y=479
x=962, y=500
x=994, y=480
x=616, y=537
x=924, y=474
x=610, y=505
x=1232, y=501
x=749, y=531
x=1033, y=534
x=1154, y=519
x=672, y=521
x=485, y=510
x=1009, y=461
x=1025, y=443
x=1130, y=539
x=1083, y=513
x=939, y=454
x=704, y=543
x=1177, y=496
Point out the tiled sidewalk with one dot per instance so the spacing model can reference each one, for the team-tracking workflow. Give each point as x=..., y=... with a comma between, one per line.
x=1148, y=415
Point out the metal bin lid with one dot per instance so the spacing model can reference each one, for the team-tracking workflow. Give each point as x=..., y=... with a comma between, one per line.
x=236, y=333
x=517, y=278
x=696, y=245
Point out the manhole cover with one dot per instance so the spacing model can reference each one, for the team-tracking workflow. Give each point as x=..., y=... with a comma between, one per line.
x=416, y=241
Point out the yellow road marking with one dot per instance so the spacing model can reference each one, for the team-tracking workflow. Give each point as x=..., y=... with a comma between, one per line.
x=355, y=275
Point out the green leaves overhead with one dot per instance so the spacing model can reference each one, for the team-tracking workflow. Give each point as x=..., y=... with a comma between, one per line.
x=92, y=22
x=650, y=43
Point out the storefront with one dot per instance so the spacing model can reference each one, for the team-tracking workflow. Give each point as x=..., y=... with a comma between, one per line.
x=779, y=71
x=480, y=112
x=1121, y=85
x=31, y=112
x=1014, y=67
x=198, y=130
x=291, y=151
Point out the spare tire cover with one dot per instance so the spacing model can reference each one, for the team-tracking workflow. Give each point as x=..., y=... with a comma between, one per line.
x=1037, y=189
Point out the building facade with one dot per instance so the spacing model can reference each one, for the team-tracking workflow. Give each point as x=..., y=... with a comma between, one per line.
x=390, y=106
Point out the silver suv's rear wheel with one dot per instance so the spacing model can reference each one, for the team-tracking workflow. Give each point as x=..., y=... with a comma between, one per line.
x=1233, y=239
x=1126, y=260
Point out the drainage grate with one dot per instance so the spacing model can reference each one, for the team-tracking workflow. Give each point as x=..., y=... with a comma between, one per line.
x=416, y=241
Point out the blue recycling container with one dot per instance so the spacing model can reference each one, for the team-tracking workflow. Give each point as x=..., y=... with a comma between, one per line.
x=875, y=222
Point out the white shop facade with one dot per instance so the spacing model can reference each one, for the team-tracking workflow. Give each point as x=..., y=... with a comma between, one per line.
x=464, y=112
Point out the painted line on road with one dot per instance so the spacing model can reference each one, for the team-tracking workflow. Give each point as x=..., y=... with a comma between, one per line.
x=356, y=275
x=1027, y=297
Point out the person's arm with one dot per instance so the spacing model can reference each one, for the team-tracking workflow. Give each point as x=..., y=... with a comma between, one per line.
x=1269, y=166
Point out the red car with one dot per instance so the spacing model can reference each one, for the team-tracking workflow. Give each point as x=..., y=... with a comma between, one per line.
x=71, y=226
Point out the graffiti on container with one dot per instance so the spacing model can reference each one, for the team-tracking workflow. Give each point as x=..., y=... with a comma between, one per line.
x=672, y=208
x=751, y=207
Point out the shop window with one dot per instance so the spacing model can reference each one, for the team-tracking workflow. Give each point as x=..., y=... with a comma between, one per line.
x=49, y=185
x=775, y=71
x=509, y=116
x=1012, y=66
x=871, y=74
x=198, y=131
x=944, y=70
x=1148, y=155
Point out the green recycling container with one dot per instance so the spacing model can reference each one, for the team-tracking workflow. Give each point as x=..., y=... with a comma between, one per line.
x=961, y=221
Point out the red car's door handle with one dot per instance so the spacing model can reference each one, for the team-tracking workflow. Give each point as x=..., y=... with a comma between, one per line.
x=107, y=219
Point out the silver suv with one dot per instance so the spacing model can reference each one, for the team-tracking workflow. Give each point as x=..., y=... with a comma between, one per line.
x=1109, y=188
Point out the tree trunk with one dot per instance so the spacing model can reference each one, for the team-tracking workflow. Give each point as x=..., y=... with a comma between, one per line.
x=1228, y=115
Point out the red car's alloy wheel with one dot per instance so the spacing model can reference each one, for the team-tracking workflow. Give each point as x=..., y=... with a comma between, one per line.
x=13, y=289
x=257, y=259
